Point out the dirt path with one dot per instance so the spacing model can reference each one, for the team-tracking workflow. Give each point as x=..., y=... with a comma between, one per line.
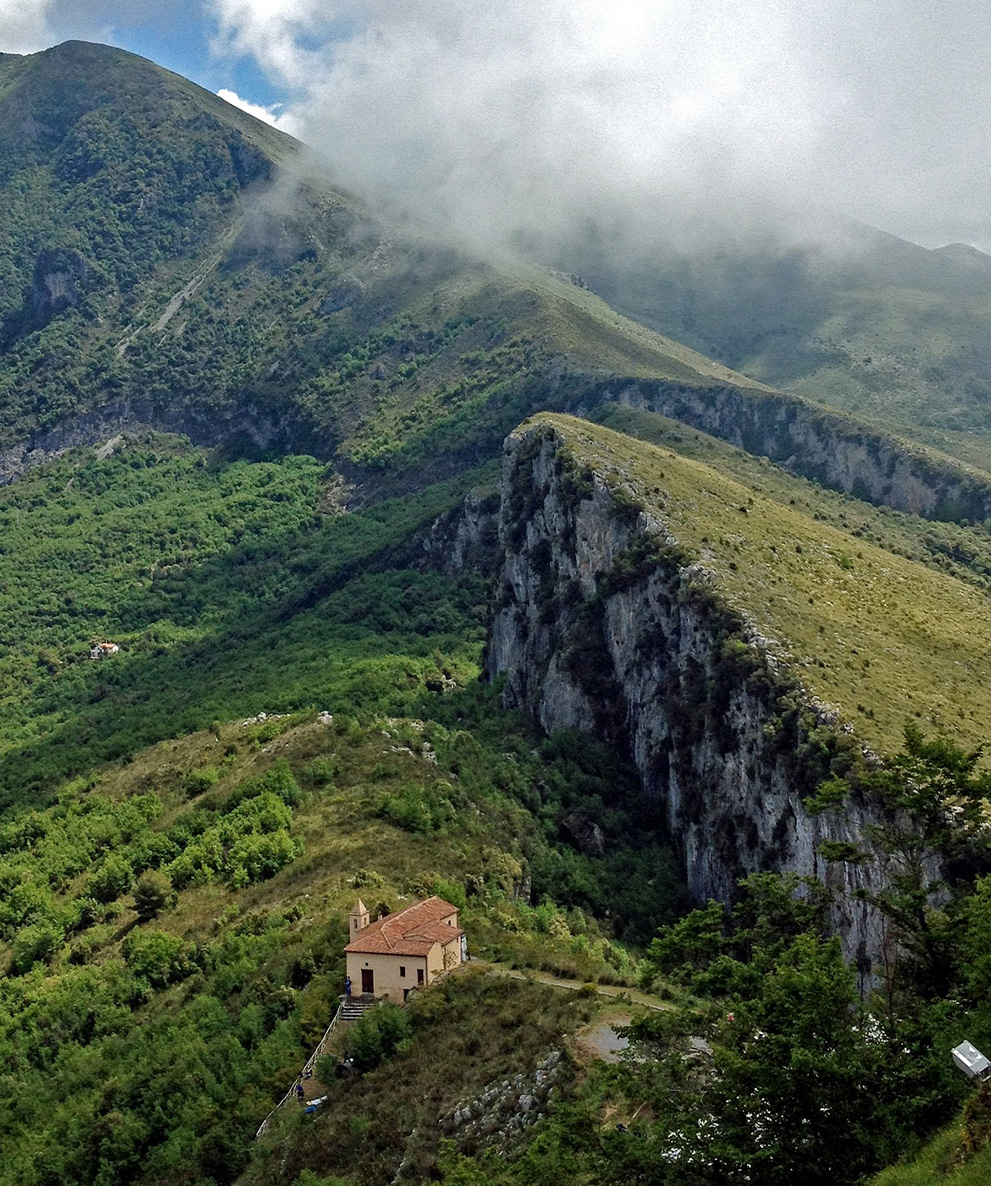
x=632, y=996
x=184, y=293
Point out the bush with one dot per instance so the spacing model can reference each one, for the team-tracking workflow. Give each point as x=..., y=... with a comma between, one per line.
x=377, y=1036
x=198, y=781
x=450, y=891
x=156, y=957
x=320, y=772
x=254, y=857
x=326, y=1069
x=113, y=878
x=418, y=809
x=152, y=894
x=36, y=944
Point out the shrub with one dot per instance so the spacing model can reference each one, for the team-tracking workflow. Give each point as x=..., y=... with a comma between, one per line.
x=113, y=878
x=37, y=943
x=278, y=781
x=377, y=1036
x=156, y=957
x=198, y=781
x=320, y=772
x=450, y=891
x=418, y=809
x=254, y=857
x=326, y=1069
x=152, y=894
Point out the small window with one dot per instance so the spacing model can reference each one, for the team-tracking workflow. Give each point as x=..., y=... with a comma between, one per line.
x=419, y=975
x=402, y=969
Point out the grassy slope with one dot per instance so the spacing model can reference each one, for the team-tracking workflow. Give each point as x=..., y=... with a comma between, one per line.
x=591, y=334
x=942, y=1163
x=877, y=635
x=963, y=552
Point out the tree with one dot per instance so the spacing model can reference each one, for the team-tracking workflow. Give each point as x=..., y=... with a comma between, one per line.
x=113, y=878
x=152, y=894
x=935, y=813
x=377, y=1035
x=784, y=1089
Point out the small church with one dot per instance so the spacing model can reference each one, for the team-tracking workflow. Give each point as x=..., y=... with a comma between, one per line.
x=403, y=951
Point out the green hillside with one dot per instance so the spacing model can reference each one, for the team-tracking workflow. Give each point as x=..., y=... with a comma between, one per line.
x=239, y=416
x=881, y=637
x=191, y=767
x=166, y=260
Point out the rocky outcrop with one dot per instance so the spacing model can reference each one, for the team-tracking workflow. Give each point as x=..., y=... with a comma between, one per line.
x=828, y=447
x=60, y=279
x=241, y=424
x=465, y=539
x=501, y=1114
x=603, y=624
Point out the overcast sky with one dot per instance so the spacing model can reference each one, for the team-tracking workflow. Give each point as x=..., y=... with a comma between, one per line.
x=500, y=114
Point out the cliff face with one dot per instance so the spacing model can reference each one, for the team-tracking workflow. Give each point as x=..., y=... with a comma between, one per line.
x=822, y=445
x=242, y=424
x=603, y=625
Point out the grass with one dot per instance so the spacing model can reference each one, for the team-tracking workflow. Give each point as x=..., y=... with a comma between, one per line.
x=588, y=333
x=875, y=634
x=941, y=1163
x=958, y=550
x=472, y=1032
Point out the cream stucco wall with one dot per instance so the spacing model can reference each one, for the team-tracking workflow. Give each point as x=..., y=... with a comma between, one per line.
x=443, y=957
x=385, y=970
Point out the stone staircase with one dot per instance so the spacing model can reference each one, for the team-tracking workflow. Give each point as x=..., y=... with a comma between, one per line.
x=353, y=1008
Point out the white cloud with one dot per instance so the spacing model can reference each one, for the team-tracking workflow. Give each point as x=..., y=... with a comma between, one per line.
x=498, y=113
x=283, y=120
x=24, y=26
x=276, y=33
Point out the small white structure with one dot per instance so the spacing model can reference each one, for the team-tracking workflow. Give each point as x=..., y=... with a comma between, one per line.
x=100, y=650
x=971, y=1061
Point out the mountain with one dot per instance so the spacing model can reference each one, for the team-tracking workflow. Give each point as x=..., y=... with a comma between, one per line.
x=170, y=262
x=418, y=573
x=851, y=317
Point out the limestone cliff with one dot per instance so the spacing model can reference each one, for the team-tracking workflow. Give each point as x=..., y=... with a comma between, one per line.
x=243, y=424
x=829, y=447
x=602, y=623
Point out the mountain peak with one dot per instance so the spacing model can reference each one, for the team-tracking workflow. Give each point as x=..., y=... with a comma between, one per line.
x=964, y=255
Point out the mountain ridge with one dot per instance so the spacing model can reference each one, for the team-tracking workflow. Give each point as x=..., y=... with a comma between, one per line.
x=352, y=658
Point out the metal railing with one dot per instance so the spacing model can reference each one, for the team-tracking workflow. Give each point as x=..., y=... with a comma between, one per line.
x=305, y=1073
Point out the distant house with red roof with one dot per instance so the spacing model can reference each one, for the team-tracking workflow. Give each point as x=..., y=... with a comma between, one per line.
x=403, y=951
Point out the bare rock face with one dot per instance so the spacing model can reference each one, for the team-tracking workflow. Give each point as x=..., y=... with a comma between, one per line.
x=60, y=279
x=826, y=446
x=602, y=624
x=243, y=422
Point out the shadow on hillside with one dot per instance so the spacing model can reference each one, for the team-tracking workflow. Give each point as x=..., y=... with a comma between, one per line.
x=340, y=621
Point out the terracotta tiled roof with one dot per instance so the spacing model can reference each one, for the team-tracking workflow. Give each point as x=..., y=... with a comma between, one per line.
x=412, y=931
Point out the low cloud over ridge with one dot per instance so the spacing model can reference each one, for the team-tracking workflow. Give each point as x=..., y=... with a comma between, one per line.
x=506, y=116
x=502, y=110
